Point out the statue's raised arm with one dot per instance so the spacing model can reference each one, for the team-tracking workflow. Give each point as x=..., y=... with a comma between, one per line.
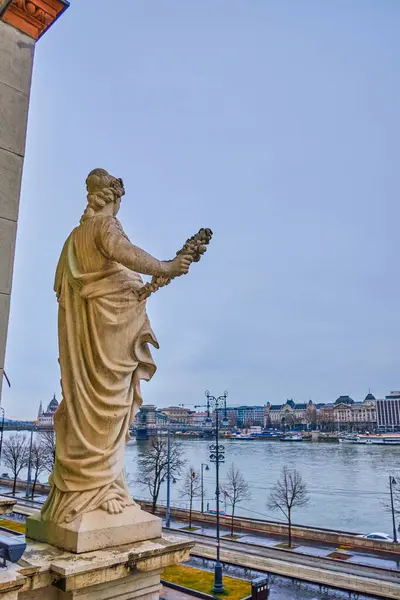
x=104, y=335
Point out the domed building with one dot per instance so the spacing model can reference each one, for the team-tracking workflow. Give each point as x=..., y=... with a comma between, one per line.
x=355, y=416
x=344, y=400
x=46, y=419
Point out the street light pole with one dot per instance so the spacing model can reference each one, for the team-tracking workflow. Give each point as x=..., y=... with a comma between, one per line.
x=217, y=456
x=392, y=482
x=28, y=479
x=168, y=511
x=202, y=484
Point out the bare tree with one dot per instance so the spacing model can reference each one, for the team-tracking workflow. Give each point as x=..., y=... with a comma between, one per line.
x=311, y=416
x=47, y=439
x=15, y=455
x=153, y=466
x=191, y=489
x=290, y=491
x=39, y=463
x=236, y=489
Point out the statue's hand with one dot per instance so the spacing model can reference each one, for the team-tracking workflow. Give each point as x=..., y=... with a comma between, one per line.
x=179, y=265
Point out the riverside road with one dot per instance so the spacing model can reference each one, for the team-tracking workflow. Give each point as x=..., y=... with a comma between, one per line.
x=383, y=583
x=380, y=559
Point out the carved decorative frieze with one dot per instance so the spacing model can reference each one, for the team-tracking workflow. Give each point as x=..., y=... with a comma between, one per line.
x=34, y=17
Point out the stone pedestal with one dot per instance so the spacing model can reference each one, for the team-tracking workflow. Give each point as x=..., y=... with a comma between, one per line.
x=120, y=573
x=6, y=504
x=96, y=530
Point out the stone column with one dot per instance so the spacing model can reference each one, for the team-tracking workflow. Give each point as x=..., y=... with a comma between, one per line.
x=22, y=23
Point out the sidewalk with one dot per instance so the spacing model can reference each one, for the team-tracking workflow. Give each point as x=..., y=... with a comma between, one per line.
x=314, y=548
x=167, y=593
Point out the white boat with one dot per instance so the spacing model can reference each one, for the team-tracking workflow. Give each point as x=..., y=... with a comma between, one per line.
x=348, y=439
x=291, y=437
x=383, y=439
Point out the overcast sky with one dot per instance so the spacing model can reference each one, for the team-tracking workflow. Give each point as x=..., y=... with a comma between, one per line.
x=276, y=123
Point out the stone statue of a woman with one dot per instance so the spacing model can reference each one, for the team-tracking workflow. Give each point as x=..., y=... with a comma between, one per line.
x=104, y=335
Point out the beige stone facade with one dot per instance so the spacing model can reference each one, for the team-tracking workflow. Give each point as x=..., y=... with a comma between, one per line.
x=21, y=24
x=130, y=571
x=290, y=414
x=16, y=58
x=178, y=414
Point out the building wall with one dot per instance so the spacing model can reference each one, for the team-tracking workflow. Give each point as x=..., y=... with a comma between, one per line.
x=388, y=413
x=16, y=57
x=289, y=416
x=177, y=413
x=244, y=416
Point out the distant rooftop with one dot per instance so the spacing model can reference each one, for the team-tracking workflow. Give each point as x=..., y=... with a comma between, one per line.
x=344, y=400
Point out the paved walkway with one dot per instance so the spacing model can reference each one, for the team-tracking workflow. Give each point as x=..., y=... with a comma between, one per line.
x=169, y=594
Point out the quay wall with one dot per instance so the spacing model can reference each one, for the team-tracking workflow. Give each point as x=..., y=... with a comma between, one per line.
x=21, y=485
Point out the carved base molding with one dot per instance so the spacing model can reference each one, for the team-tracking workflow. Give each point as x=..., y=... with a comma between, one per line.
x=33, y=17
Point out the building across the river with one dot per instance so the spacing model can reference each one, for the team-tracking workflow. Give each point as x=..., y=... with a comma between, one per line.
x=244, y=416
x=46, y=418
x=291, y=415
x=177, y=414
x=388, y=412
x=347, y=415
x=198, y=419
x=344, y=414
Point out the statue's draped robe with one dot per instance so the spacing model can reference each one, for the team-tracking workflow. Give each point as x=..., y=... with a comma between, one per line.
x=103, y=334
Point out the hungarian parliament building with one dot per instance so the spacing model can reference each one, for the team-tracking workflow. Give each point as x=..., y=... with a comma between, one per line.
x=46, y=418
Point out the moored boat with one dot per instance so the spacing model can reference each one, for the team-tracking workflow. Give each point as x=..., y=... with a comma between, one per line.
x=291, y=437
x=348, y=439
x=383, y=439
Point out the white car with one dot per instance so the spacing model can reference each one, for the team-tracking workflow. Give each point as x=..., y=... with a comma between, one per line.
x=382, y=537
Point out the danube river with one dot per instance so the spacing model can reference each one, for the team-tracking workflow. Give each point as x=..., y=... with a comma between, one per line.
x=348, y=483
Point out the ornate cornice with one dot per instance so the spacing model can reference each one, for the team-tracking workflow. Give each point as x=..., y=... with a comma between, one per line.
x=33, y=17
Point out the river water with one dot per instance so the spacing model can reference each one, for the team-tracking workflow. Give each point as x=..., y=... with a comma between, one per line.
x=348, y=483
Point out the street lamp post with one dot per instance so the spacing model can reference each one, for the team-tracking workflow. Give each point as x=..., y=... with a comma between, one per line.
x=203, y=465
x=217, y=456
x=168, y=511
x=393, y=482
x=28, y=479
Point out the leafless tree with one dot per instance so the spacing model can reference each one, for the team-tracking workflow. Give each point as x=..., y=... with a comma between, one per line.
x=268, y=420
x=39, y=460
x=48, y=440
x=15, y=455
x=290, y=491
x=236, y=489
x=191, y=489
x=153, y=466
x=311, y=416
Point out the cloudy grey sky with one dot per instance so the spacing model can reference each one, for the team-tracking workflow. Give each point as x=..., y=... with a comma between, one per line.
x=274, y=122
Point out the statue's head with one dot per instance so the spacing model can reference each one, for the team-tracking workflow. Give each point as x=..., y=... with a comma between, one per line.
x=102, y=189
